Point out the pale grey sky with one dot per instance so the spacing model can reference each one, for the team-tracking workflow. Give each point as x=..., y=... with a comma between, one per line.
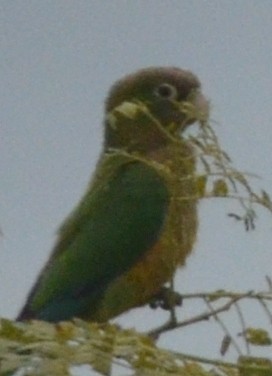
x=58, y=59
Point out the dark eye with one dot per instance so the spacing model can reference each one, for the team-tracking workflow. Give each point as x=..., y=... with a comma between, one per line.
x=166, y=91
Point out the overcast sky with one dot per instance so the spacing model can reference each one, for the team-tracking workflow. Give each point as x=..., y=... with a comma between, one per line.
x=58, y=60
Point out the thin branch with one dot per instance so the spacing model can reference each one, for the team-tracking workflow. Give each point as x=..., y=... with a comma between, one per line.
x=222, y=325
x=243, y=326
x=266, y=309
x=155, y=333
x=227, y=294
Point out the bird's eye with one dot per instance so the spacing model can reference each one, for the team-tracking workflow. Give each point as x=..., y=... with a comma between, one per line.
x=166, y=91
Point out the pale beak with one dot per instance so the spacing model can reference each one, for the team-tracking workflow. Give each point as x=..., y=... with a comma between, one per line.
x=202, y=107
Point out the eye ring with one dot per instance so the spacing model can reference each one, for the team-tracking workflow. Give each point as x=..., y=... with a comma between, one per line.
x=166, y=91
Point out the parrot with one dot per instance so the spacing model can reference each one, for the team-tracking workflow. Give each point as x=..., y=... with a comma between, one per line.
x=137, y=221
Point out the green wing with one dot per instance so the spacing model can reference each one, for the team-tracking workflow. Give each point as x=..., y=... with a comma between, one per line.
x=117, y=221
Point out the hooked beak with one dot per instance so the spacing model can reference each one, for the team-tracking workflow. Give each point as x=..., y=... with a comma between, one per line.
x=196, y=108
x=202, y=107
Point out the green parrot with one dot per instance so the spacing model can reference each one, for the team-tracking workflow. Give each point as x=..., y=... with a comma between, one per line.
x=137, y=221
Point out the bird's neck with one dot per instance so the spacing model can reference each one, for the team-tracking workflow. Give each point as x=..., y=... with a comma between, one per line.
x=137, y=134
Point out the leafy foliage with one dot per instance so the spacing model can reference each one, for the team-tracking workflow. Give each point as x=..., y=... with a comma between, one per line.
x=40, y=348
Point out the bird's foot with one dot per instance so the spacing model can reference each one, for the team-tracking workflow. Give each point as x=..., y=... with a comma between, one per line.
x=166, y=299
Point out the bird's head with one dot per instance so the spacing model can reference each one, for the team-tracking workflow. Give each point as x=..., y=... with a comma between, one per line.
x=146, y=107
